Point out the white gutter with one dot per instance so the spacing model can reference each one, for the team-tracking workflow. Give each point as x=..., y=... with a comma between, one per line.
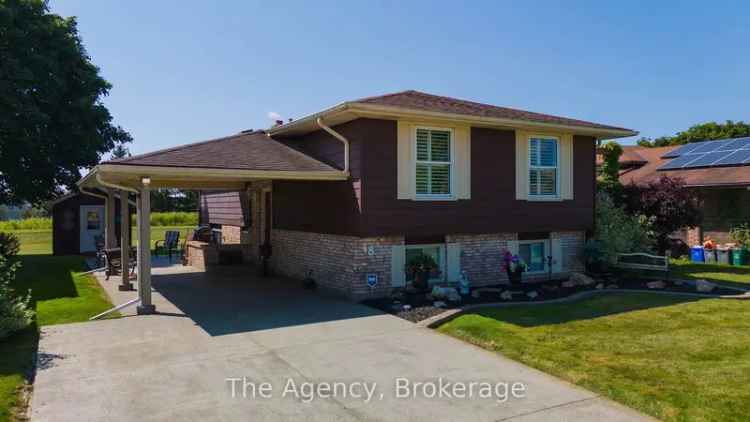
x=114, y=186
x=341, y=138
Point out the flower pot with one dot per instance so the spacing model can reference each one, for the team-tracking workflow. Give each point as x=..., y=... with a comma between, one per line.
x=515, y=277
x=421, y=281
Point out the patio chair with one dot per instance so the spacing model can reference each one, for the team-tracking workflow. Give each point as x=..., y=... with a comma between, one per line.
x=100, y=257
x=114, y=262
x=170, y=243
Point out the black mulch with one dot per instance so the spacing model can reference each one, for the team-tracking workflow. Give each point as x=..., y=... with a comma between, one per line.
x=416, y=307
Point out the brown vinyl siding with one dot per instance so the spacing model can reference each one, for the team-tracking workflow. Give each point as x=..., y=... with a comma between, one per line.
x=492, y=207
x=230, y=208
x=325, y=207
x=366, y=205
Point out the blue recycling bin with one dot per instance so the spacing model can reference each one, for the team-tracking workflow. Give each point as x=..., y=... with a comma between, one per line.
x=696, y=254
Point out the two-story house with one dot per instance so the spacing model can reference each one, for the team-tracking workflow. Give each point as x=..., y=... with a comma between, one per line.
x=352, y=191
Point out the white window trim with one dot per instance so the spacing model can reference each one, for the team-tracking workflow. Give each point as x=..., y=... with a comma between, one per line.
x=557, y=196
x=443, y=251
x=452, y=163
x=547, y=252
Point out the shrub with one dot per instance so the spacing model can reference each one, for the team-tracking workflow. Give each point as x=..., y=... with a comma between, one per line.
x=668, y=204
x=741, y=234
x=9, y=245
x=35, y=223
x=15, y=311
x=618, y=232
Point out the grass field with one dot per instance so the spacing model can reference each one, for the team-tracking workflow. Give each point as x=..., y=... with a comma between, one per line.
x=674, y=358
x=725, y=274
x=60, y=294
x=39, y=242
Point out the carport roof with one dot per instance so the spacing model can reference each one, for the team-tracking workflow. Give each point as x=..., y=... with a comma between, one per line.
x=243, y=151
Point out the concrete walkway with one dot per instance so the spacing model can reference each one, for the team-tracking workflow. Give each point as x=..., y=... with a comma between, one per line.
x=232, y=325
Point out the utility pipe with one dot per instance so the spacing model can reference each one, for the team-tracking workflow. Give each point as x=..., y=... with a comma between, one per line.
x=341, y=138
x=115, y=309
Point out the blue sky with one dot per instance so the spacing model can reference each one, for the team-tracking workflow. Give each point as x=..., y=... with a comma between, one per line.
x=185, y=71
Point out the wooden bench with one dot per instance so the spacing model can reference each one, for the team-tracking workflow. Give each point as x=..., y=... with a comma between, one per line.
x=643, y=261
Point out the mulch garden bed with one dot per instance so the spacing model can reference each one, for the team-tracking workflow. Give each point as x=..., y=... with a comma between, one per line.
x=415, y=307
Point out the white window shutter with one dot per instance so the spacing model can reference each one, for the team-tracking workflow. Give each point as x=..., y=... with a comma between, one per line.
x=566, y=167
x=454, y=261
x=404, y=170
x=398, y=263
x=462, y=169
x=556, y=252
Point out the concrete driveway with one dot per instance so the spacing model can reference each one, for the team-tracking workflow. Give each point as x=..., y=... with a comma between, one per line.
x=229, y=329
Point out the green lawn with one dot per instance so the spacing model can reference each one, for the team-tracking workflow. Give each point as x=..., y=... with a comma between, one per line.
x=39, y=242
x=725, y=274
x=674, y=358
x=61, y=294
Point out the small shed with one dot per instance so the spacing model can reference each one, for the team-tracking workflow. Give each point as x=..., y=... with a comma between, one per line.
x=78, y=218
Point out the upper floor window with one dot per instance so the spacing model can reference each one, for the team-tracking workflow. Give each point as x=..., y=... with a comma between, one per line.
x=434, y=163
x=543, y=167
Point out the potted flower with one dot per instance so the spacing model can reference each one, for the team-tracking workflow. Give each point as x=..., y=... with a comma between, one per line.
x=514, y=266
x=420, y=267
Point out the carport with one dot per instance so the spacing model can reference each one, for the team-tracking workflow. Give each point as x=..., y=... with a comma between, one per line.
x=246, y=161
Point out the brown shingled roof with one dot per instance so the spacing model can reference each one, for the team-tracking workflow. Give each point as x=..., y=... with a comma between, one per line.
x=428, y=102
x=244, y=151
x=712, y=176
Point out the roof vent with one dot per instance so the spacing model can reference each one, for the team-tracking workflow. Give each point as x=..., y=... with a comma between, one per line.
x=279, y=122
x=247, y=131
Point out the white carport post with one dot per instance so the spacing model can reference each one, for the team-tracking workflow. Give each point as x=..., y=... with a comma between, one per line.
x=144, y=249
x=110, y=241
x=125, y=285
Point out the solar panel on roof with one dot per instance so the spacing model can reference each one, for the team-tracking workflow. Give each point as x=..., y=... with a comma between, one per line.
x=707, y=159
x=706, y=147
x=678, y=162
x=685, y=149
x=735, y=158
x=725, y=152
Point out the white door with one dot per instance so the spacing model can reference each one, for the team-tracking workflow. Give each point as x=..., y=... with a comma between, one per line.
x=92, y=225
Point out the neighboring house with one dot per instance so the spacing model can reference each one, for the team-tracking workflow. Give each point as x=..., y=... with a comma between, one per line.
x=78, y=219
x=718, y=170
x=351, y=192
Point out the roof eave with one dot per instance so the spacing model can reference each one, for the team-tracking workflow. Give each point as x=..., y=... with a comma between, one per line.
x=372, y=110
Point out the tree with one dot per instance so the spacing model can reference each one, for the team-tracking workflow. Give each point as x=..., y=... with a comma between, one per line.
x=120, y=151
x=668, y=204
x=617, y=231
x=609, y=173
x=163, y=200
x=52, y=120
x=703, y=132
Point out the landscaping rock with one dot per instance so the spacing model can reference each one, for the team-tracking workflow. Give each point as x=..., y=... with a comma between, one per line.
x=532, y=294
x=704, y=286
x=600, y=286
x=581, y=279
x=568, y=284
x=407, y=307
x=453, y=296
x=439, y=304
x=656, y=284
x=613, y=286
x=506, y=295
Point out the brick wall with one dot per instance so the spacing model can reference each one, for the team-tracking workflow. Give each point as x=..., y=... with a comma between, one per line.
x=340, y=264
x=481, y=256
x=572, y=250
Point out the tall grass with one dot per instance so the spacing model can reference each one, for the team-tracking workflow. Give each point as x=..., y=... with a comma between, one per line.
x=172, y=218
x=157, y=219
x=35, y=223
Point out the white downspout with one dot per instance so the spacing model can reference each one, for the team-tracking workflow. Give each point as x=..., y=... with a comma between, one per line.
x=341, y=138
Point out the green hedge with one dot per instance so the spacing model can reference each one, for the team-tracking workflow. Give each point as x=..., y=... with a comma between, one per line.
x=172, y=219
x=157, y=219
x=36, y=223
